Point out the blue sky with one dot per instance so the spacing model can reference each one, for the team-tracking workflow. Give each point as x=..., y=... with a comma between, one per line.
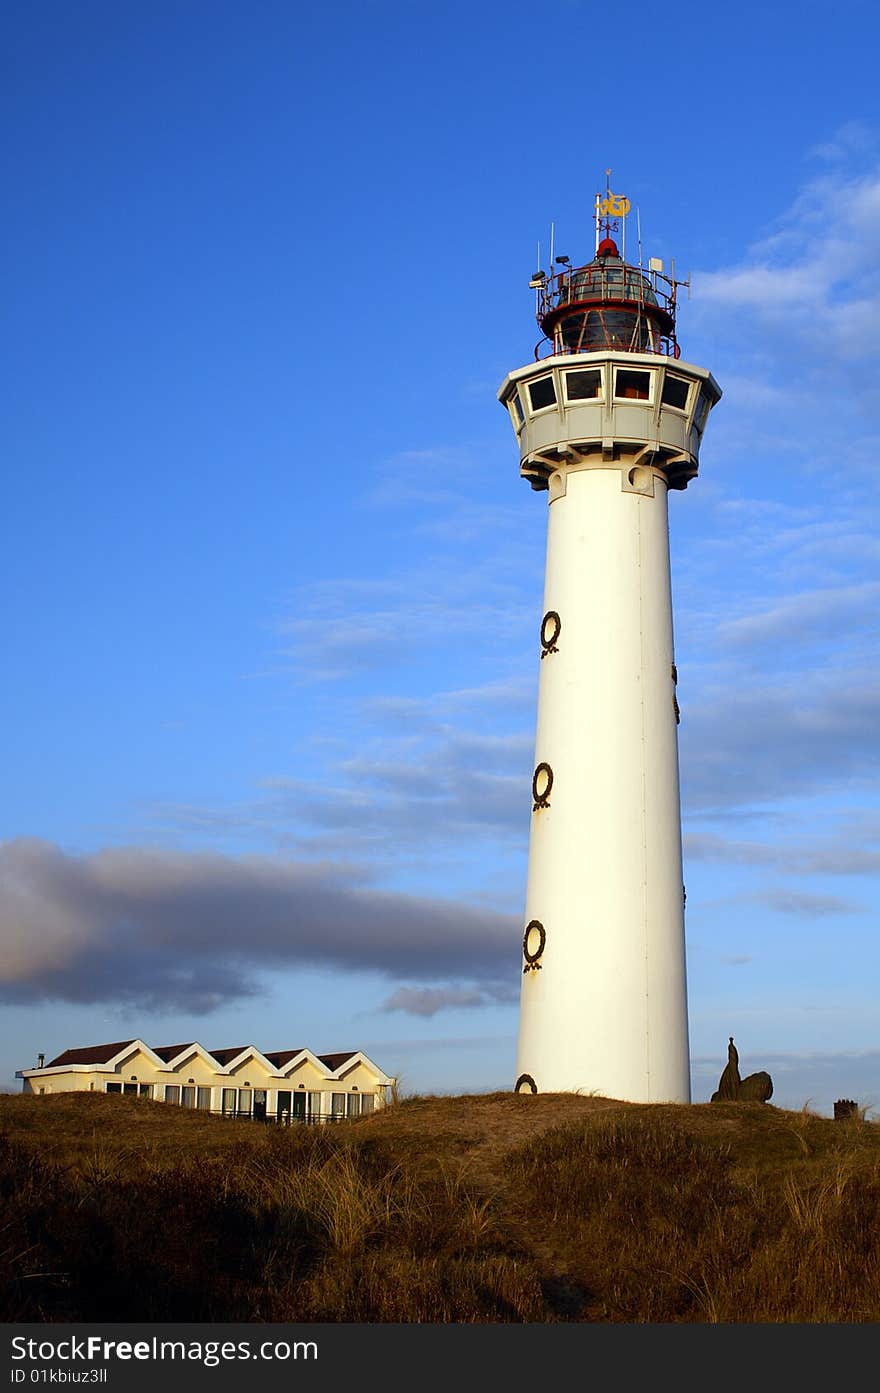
x=273, y=580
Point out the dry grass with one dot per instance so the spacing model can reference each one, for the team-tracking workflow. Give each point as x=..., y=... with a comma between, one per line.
x=496, y=1208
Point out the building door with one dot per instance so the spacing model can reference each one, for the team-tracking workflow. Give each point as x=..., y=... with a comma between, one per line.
x=283, y=1109
x=260, y=1104
x=299, y=1105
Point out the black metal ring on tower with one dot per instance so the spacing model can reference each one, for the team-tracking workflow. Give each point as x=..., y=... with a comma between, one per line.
x=541, y=800
x=530, y=956
x=552, y=621
x=525, y=1079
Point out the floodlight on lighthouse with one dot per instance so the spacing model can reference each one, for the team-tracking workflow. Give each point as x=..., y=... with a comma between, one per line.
x=609, y=420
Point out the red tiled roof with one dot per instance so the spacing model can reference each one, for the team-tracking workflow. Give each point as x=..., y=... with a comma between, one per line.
x=167, y=1052
x=91, y=1054
x=333, y=1061
x=102, y=1054
x=223, y=1056
x=282, y=1057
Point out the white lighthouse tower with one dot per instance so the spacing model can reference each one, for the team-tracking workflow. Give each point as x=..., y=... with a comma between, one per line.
x=609, y=419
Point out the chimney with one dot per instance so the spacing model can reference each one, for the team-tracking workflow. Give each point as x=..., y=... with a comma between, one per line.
x=41, y=1059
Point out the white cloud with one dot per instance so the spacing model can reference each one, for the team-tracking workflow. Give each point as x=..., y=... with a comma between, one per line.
x=848, y=852
x=811, y=614
x=805, y=906
x=428, y=1001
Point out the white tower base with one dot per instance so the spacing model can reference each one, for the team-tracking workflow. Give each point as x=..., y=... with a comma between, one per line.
x=606, y=1011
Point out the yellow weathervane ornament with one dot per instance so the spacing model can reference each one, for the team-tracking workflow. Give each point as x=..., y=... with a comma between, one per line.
x=614, y=205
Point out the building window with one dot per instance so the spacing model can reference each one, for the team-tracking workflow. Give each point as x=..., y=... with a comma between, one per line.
x=367, y=1102
x=337, y=1105
x=542, y=393
x=145, y=1090
x=188, y=1096
x=228, y=1102
x=203, y=1099
x=315, y=1109
x=583, y=386
x=130, y=1088
x=245, y=1101
x=514, y=406
x=353, y=1105
x=114, y=1087
x=172, y=1093
x=675, y=392
x=703, y=407
x=632, y=385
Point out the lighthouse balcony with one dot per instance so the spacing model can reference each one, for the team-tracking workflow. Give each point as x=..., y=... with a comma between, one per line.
x=594, y=408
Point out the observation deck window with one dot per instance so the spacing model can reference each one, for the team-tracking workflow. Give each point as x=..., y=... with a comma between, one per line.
x=703, y=408
x=583, y=385
x=514, y=406
x=542, y=393
x=675, y=392
x=632, y=385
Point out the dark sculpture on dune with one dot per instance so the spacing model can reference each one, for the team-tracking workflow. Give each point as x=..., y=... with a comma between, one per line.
x=755, y=1088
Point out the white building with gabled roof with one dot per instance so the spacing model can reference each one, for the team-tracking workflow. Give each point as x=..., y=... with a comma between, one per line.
x=239, y=1081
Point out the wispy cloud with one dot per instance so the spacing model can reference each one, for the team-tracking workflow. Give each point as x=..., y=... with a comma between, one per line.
x=807, y=616
x=166, y=929
x=754, y=742
x=847, y=852
x=804, y=905
x=428, y=1001
x=814, y=275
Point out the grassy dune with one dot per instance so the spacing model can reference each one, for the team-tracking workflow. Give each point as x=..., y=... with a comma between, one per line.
x=481, y=1208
